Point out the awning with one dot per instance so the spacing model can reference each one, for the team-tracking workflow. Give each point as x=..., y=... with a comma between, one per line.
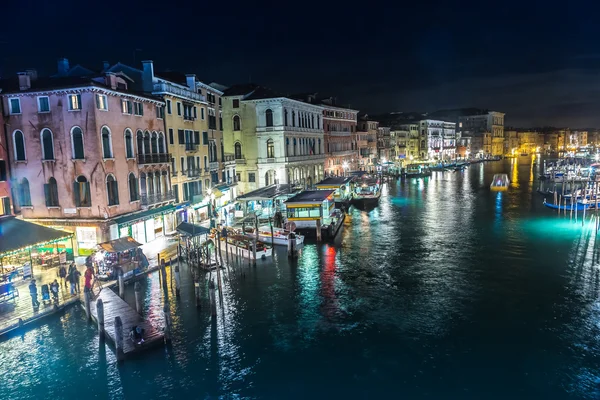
x=131, y=219
x=183, y=205
x=17, y=235
x=223, y=188
x=216, y=192
x=187, y=229
x=120, y=245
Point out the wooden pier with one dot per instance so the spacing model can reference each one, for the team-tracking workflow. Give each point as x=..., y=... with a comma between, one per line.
x=114, y=306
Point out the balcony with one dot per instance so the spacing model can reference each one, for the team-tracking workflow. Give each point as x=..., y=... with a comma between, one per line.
x=154, y=198
x=193, y=173
x=168, y=88
x=314, y=157
x=191, y=147
x=341, y=153
x=240, y=161
x=188, y=118
x=157, y=158
x=213, y=165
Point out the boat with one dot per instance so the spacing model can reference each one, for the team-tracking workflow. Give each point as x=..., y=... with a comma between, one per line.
x=244, y=245
x=314, y=211
x=366, y=193
x=416, y=171
x=500, y=183
x=569, y=207
x=280, y=236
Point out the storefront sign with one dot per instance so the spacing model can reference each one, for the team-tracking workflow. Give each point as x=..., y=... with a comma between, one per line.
x=86, y=239
x=62, y=257
x=69, y=211
x=27, y=270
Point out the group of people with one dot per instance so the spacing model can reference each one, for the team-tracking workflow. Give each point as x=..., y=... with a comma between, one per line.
x=72, y=275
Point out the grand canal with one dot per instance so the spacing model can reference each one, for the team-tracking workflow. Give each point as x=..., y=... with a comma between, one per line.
x=446, y=290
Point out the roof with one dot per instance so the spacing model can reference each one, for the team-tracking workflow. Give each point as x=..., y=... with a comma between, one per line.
x=16, y=234
x=120, y=245
x=263, y=93
x=269, y=192
x=240, y=89
x=187, y=229
x=334, y=180
x=131, y=219
x=310, y=196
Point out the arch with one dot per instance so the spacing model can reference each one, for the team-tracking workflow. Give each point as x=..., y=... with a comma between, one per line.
x=269, y=117
x=161, y=143
x=139, y=137
x=47, y=139
x=285, y=117
x=133, y=187
x=129, y=153
x=237, y=126
x=157, y=185
x=19, y=145
x=81, y=192
x=154, y=143
x=51, y=192
x=150, y=183
x=143, y=184
x=106, y=142
x=238, y=150
x=293, y=118
x=24, y=193
x=294, y=146
x=164, y=178
x=147, y=148
x=77, y=143
x=112, y=190
x=270, y=148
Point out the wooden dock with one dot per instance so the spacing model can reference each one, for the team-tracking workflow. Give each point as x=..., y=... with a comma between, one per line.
x=114, y=306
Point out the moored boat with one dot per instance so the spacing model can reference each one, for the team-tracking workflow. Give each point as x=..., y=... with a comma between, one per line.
x=279, y=237
x=246, y=246
x=367, y=193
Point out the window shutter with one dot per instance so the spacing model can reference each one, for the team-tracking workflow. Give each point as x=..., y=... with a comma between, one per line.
x=88, y=196
x=195, y=112
x=171, y=136
x=129, y=107
x=141, y=107
x=76, y=194
x=47, y=194
x=98, y=101
x=5, y=206
x=116, y=191
x=181, y=135
x=197, y=137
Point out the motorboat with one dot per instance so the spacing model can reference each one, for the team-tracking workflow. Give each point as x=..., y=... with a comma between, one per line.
x=367, y=193
x=500, y=183
x=416, y=171
x=279, y=237
x=245, y=246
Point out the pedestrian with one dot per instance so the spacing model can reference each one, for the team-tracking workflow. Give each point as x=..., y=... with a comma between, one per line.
x=77, y=276
x=54, y=287
x=71, y=279
x=34, y=294
x=62, y=273
x=89, y=274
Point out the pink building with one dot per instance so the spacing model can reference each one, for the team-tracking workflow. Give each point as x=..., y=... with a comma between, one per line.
x=5, y=195
x=88, y=155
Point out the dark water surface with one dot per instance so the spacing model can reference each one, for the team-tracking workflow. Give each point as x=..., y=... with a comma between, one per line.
x=445, y=291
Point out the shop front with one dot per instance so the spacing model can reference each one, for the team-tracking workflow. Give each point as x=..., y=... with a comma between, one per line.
x=148, y=225
x=264, y=202
x=119, y=256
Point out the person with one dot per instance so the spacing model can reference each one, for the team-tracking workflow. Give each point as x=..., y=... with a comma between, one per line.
x=137, y=334
x=77, y=276
x=71, y=279
x=89, y=274
x=62, y=273
x=34, y=294
x=54, y=286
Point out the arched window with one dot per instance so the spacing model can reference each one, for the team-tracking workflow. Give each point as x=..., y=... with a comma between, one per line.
x=140, y=142
x=143, y=188
x=287, y=147
x=293, y=118
x=154, y=143
x=112, y=189
x=161, y=143
x=236, y=123
x=285, y=117
x=269, y=117
x=319, y=148
x=47, y=145
x=106, y=143
x=51, y=192
x=270, y=149
x=133, y=187
x=147, y=149
x=294, y=146
x=318, y=122
x=150, y=183
x=81, y=192
x=312, y=121
x=24, y=194
x=128, y=143
x=238, y=150
x=77, y=143
x=19, y=141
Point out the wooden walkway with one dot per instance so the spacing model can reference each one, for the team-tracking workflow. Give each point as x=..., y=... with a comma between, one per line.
x=115, y=306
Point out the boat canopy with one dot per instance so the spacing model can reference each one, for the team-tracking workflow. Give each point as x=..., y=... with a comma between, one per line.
x=309, y=198
x=119, y=245
x=269, y=192
x=192, y=230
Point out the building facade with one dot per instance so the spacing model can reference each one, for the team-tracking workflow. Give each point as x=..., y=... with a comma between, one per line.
x=339, y=127
x=366, y=141
x=490, y=125
x=274, y=139
x=438, y=139
x=5, y=192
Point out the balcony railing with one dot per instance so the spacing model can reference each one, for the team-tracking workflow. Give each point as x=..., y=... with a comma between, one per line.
x=164, y=87
x=240, y=161
x=156, y=158
x=154, y=198
x=191, y=146
x=213, y=165
x=188, y=118
x=192, y=173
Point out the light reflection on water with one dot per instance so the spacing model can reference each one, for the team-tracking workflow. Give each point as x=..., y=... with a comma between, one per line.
x=446, y=290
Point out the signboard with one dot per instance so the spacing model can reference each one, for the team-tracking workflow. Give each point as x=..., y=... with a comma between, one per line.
x=62, y=257
x=239, y=214
x=27, y=270
x=69, y=211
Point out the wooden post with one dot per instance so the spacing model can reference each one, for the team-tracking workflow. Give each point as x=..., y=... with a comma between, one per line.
x=171, y=266
x=163, y=272
x=318, y=230
x=213, y=303
x=168, y=322
x=137, y=288
x=272, y=234
x=100, y=312
x=119, y=339
x=255, y=238
x=177, y=280
x=219, y=244
x=121, y=285
x=88, y=299
x=227, y=252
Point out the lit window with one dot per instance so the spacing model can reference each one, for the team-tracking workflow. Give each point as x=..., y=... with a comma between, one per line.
x=126, y=106
x=74, y=102
x=43, y=104
x=101, y=102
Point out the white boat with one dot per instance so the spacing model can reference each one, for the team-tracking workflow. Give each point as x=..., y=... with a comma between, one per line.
x=244, y=245
x=280, y=236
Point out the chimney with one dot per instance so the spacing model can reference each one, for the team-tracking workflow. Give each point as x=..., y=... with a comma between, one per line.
x=111, y=80
x=33, y=75
x=24, y=81
x=148, y=76
x=63, y=67
x=191, y=81
x=105, y=65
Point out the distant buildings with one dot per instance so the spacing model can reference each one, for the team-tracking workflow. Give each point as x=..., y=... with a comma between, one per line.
x=366, y=141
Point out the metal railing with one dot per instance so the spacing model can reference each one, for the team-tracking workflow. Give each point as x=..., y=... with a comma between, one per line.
x=156, y=158
x=190, y=146
x=154, y=198
x=213, y=165
x=192, y=173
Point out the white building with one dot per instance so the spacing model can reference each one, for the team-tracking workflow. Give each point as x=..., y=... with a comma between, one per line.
x=438, y=139
x=274, y=139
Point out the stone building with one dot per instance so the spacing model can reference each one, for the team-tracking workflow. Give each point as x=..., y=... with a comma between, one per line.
x=366, y=141
x=5, y=192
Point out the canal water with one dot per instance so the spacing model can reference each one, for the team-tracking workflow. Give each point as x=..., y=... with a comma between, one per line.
x=445, y=291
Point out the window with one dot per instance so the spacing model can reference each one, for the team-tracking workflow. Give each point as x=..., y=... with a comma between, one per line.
x=147, y=148
x=181, y=136
x=138, y=108
x=293, y=118
x=112, y=189
x=154, y=143
x=196, y=137
x=179, y=109
x=2, y=171
x=269, y=117
x=106, y=143
x=133, y=187
x=183, y=165
x=24, y=195
x=212, y=119
x=285, y=117
x=126, y=107
x=51, y=192
x=236, y=103
x=251, y=177
x=205, y=163
x=139, y=136
x=238, y=177
x=236, y=123
x=81, y=192
x=19, y=142
x=47, y=145
x=220, y=120
x=237, y=150
x=270, y=149
x=43, y=104
x=205, y=138
x=160, y=112
x=77, y=143
x=74, y=102
x=128, y=143
x=202, y=113
x=169, y=107
x=15, y=106
x=171, y=136
x=195, y=112
x=161, y=143
x=101, y=102
x=5, y=206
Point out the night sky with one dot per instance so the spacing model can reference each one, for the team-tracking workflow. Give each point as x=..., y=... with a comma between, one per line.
x=537, y=63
